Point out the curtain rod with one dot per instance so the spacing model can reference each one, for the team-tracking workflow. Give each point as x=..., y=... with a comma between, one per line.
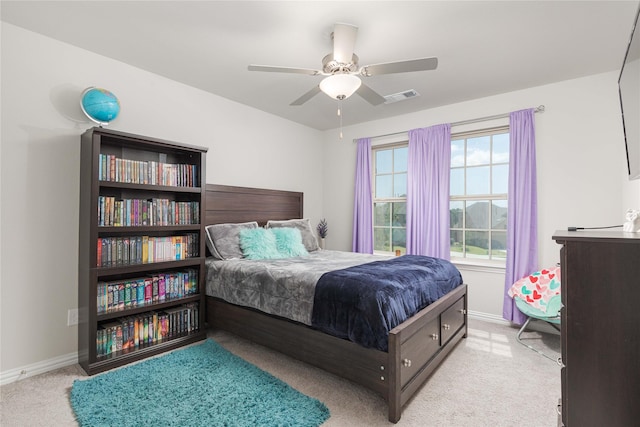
x=538, y=109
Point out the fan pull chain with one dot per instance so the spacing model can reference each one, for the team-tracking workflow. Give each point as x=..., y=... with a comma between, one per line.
x=340, y=115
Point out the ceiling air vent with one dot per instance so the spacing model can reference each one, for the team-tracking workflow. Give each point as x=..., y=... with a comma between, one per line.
x=400, y=96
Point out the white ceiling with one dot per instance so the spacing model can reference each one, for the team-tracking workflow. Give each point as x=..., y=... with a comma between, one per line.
x=483, y=47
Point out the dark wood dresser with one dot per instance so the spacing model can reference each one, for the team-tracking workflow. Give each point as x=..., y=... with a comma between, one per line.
x=600, y=328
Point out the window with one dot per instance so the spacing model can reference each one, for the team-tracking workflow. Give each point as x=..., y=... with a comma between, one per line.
x=390, y=199
x=478, y=196
x=479, y=185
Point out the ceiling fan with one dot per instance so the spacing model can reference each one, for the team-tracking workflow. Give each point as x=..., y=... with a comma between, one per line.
x=342, y=72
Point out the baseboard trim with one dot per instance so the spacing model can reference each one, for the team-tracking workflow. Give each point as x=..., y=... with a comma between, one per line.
x=37, y=368
x=487, y=317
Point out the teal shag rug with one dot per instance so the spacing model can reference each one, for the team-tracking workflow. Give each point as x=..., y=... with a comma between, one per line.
x=202, y=385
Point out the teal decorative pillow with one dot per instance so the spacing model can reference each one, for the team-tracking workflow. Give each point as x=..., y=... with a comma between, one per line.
x=308, y=236
x=289, y=242
x=259, y=243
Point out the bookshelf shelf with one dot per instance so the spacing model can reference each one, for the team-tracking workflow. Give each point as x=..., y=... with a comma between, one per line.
x=103, y=230
x=103, y=272
x=148, y=187
x=123, y=357
x=130, y=187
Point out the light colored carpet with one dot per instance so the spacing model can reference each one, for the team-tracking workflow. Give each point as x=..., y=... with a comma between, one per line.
x=488, y=380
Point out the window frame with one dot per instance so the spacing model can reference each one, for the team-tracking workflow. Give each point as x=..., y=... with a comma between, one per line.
x=499, y=263
x=392, y=199
x=489, y=262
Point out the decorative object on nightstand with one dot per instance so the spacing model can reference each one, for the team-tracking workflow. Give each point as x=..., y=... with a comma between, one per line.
x=322, y=229
x=632, y=221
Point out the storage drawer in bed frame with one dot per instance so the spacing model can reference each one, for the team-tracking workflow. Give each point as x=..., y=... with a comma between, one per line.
x=425, y=343
x=451, y=321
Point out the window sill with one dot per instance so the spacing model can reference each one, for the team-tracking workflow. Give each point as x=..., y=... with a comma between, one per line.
x=478, y=266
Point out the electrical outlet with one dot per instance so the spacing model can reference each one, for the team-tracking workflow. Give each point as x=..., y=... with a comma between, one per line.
x=72, y=317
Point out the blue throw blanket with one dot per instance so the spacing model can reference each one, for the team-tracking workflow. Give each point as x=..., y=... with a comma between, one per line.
x=365, y=302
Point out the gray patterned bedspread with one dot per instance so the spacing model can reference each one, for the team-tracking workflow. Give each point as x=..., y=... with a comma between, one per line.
x=282, y=287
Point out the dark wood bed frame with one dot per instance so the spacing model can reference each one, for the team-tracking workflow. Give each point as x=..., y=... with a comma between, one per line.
x=416, y=347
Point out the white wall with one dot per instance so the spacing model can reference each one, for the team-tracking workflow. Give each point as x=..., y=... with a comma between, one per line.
x=41, y=123
x=580, y=161
x=631, y=196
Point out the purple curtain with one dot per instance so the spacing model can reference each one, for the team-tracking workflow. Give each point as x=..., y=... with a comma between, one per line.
x=363, y=203
x=522, y=217
x=428, y=169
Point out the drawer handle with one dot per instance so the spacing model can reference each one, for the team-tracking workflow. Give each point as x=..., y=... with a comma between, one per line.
x=435, y=337
x=462, y=311
x=446, y=327
x=560, y=362
x=406, y=363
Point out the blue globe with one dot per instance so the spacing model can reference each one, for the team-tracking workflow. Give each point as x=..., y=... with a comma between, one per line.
x=100, y=105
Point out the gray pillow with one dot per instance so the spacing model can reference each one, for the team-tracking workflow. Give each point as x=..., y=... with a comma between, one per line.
x=308, y=237
x=223, y=240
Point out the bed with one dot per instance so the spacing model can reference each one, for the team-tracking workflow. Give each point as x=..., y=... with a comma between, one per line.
x=397, y=370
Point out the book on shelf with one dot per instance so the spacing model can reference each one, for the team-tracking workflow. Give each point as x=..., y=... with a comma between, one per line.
x=162, y=288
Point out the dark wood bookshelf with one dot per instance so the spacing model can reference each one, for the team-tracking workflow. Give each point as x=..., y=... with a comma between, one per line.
x=95, y=144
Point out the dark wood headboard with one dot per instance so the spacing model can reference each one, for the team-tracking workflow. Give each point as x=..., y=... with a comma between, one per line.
x=228, y=204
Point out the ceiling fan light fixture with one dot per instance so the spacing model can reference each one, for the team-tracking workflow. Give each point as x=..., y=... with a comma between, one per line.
x=340, y=86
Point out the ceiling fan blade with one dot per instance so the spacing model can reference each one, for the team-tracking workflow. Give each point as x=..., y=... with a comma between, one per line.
x=370, y=95
x=273, y=69
x=344, y=41
x=422, y=64
x=307, y=96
